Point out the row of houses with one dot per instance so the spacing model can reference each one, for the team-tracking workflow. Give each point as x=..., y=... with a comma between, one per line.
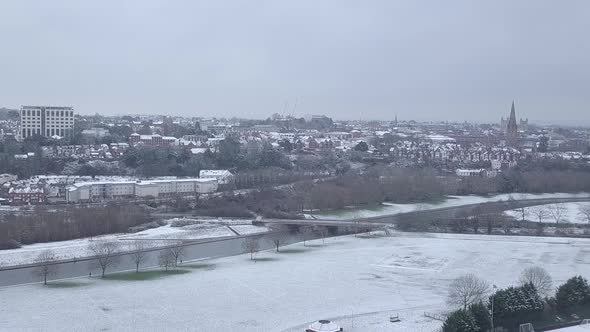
x=101, y=151
x=452, y=152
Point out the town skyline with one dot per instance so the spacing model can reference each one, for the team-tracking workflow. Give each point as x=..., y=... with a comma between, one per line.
x=393, y=118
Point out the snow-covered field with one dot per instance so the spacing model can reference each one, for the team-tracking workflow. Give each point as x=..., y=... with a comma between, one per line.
x=206, y=228
x=571, y=213
x=352, y=281
x=389, y=208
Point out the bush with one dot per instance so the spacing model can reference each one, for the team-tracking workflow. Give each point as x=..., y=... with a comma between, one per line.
x=280, y=215
x=143, y=227
x=461, y=321
x=516, y=304
x=481, y=315
x=231, y=210
x=9, y=244
x=573, y=292
x=181, y=222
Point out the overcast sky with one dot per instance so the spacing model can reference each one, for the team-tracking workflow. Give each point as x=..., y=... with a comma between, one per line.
x=424, y=60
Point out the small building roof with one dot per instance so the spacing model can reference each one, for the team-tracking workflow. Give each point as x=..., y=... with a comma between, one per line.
x=324, y=326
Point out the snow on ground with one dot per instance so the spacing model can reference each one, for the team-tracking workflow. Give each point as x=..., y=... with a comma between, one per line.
x=390, y=208
x=79, y=248
x=570, y=214
x=209, y=220
x=249, y=229
x=367, y=278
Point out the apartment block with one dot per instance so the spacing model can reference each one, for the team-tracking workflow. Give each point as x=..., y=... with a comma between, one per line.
x=46, y=121
x=114, y=190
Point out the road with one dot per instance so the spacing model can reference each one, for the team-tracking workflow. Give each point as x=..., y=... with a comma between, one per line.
x=228, y=246
x=194, y=250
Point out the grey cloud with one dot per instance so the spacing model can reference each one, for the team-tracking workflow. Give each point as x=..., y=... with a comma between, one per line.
x=437, y=60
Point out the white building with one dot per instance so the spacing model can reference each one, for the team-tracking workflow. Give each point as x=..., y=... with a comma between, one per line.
x=95, y=132
x=46, y=121
x=470, y=172
x=113, y=190
x=222, y=176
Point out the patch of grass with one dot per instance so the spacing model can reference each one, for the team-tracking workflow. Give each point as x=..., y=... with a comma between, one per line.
x=199, y=266
x=65, y=284
x=266, y=259
x=292, y=251
x=369, y=236
x=144, y=275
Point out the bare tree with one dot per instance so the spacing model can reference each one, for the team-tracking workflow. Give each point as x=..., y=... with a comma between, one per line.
x=540, y=212
x=166, y=259
x=539, y=278
x=279, y=235
x=585, y=213
x=251, y=245
x=507, y=224
x=177, y=251
x=277, y=242
x=466, y=290
x=524, y=213
x=278, y=239
x=106, y=254
x=323, y=231
x=47, y=266
x=307, y=232
x=474, y=222
x=492, y=220
x=138, y=254
x=556, y=211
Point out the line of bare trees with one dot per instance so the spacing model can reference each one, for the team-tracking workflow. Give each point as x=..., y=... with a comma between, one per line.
x=68, y=223
x=280, y=235
x=107, y=254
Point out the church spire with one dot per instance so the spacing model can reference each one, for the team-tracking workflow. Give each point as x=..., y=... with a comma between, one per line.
x=511, y=128
x=512, y=113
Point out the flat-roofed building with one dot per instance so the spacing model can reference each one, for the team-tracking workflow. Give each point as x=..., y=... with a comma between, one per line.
x=107, y=190
x=221, y=175
x=46, y=121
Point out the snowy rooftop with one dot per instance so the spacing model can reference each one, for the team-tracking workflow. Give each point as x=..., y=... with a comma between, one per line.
x=214, y=172
x=324, y=326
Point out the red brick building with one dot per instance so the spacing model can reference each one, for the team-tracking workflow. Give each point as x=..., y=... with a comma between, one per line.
x=23, y=196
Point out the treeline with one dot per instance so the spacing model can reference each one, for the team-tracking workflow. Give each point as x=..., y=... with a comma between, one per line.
x=247, y=158
x=347, y=190
x=397, y=185
x=44, y=225
x=176, y=161
x=534, y=181
x=533, y=301
x=274, y=176
x=269, y=203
